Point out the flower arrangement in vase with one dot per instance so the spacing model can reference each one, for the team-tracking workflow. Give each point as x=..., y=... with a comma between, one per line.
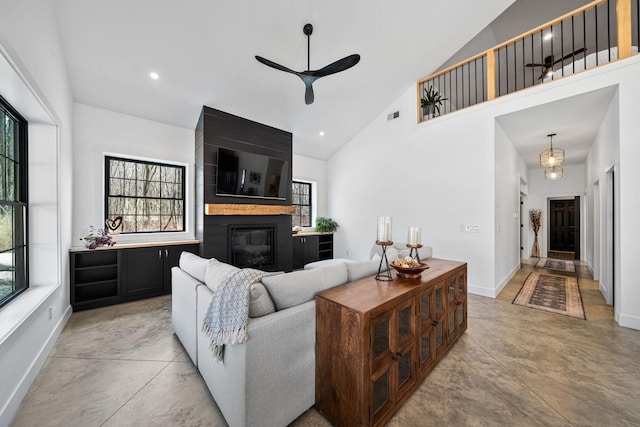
x=98, y=237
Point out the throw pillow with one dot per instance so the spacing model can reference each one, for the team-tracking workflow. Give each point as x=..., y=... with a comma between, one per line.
x=217, y=272
x=297, y=287
x=194, y=265
x=358, y=270
x=261, y=303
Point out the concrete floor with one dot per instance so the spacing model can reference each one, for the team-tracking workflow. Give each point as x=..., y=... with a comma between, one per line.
x=515, y=366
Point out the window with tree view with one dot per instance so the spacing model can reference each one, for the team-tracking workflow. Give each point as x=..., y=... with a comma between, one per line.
x=13, y=203
x=148, y=196
x=301, y=199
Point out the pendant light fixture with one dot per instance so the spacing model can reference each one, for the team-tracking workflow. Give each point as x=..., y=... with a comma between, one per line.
x=555, y=172
x=552, y=157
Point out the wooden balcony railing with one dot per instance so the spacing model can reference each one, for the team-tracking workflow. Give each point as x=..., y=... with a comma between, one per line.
x=597, y=33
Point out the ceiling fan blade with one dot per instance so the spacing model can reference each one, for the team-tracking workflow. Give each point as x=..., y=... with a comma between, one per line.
x=308, y=94
x=544, y=73
x=535, y=65
x=276, y=66
x=571, y=55
x=308, y=80
x=335, y=67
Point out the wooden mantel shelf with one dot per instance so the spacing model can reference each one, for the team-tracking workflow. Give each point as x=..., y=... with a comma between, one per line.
x=246, y=209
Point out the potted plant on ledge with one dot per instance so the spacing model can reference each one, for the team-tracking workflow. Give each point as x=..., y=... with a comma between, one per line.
x=431, y=102
x=325, y=225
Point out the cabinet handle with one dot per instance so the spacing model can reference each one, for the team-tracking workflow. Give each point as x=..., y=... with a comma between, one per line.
x=434, y=323
x=159, y=253
x=166, y=253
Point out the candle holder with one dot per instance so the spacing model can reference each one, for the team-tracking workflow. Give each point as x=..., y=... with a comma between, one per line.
x=414, y=250
x=384, y=276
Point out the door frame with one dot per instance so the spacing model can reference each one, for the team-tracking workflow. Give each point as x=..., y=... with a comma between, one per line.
x=546, y=230
x=576, y=210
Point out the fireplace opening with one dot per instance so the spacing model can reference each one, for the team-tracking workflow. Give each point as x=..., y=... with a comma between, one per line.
x=252, y=246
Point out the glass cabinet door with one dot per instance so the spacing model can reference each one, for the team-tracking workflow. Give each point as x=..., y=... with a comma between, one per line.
x=440, y=314
x=382, y=359
x=381, y=338
x=426, y=349
x=381, y=393
x=461, y=294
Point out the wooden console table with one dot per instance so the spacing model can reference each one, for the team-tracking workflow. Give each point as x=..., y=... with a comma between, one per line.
x=376, y=341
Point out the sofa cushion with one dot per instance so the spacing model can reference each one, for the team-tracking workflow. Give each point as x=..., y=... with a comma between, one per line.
x=217, y=272
x=358, y=270
x=194, y=265
x=261, y=303
x=295, y=288
x=327, y=262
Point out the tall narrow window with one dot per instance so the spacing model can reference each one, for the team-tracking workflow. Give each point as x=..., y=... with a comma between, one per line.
x=13, y=203
x=301, y=196
x=148, y=196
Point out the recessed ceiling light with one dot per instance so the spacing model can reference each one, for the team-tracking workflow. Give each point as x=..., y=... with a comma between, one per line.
x=321, y=133
x=548, y=36
x=154, y=75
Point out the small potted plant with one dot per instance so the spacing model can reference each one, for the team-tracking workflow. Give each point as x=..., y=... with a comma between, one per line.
x=325, y=225
x=431, y=101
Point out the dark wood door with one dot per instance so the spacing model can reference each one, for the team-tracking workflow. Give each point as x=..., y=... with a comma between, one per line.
x=563, y=225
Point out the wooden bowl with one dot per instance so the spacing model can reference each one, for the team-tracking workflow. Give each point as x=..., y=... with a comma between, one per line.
x=410, y=272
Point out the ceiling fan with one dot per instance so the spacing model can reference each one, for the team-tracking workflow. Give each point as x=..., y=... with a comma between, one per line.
x=550, y=61
x=309, y=76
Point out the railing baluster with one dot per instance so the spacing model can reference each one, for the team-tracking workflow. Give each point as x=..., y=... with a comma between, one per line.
x=595, y=11
x=609, y=30
x=573, y=46
x=584, y=38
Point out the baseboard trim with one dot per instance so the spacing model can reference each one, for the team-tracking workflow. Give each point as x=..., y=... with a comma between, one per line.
x=11, y=408
x=627, y=321
x=507, y=278
x=483, y=292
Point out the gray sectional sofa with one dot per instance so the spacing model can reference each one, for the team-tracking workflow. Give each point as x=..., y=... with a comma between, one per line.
x=270, y=379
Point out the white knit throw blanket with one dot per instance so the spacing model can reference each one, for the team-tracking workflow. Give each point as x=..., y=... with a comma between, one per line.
x=228, y=313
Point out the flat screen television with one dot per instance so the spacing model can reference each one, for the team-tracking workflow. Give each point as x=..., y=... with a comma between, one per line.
x=243, y=174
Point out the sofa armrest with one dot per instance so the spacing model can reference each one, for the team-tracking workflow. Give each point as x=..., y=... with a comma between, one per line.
x=183, y=310
x=270, y=379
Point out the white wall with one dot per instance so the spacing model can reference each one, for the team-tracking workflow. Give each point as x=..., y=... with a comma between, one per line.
x=437, y=175
x=603, y=156
x=33, y=79
x=541, y=190
x=440, y=174
x=314, y=171
x=509, y=169
x=97, y=132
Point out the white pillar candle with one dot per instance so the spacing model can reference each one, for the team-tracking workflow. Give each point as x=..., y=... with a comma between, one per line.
x=414, y=236
x=384, y=228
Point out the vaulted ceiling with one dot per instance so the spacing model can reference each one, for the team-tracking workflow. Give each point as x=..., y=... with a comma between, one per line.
x=204, y=54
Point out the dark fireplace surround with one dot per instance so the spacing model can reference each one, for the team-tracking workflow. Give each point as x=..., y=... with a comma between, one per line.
x=255, y=238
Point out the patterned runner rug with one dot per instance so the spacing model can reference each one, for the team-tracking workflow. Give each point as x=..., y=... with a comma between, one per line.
x=557, y=294
x=556, y=264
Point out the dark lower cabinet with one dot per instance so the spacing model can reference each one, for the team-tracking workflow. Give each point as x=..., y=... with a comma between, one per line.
x=110, y=276
x=305, y=250
x=311, y=248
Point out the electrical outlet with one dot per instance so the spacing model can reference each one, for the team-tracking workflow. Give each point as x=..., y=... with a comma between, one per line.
x=347, y=252
x=472, y=228
x=50, y=312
